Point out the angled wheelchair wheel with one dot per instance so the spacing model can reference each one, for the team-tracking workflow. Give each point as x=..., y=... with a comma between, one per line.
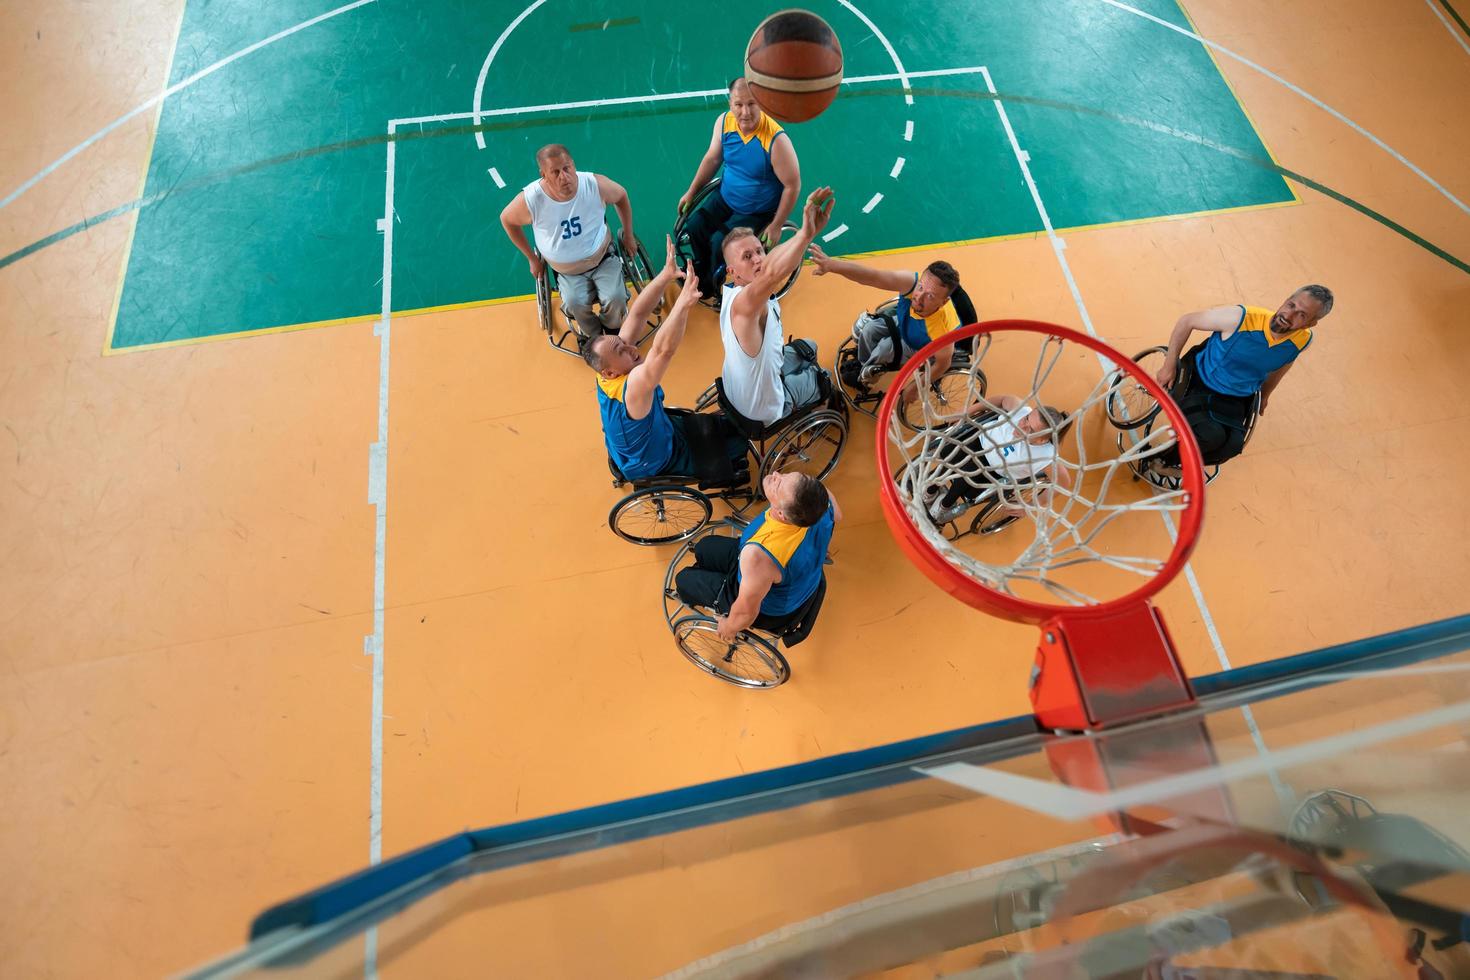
x=991, y=517
x=638, y=272
x=560, y=333
x=659, y=515
x=944, y=401
x=1129, y=404
x=708, y=400
x=750, y=661
x=846, y=369
x=543, y=304
x=811, y=445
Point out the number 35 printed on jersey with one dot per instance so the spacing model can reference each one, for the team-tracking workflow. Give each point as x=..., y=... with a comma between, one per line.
x=572, y=228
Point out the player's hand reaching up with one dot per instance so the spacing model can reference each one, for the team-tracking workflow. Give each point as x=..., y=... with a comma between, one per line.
x=690, y=294
x=671, y=260
x=818, y=210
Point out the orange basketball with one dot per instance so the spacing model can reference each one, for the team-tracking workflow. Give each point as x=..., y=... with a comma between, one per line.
x=793, y=65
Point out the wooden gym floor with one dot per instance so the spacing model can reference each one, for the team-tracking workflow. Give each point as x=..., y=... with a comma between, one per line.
x=191, y=634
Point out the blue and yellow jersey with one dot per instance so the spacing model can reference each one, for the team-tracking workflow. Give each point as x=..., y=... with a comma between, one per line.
x=639, y=447
x=916, y=332
x=749, y=184
x=798, y=551
x=1239, y=364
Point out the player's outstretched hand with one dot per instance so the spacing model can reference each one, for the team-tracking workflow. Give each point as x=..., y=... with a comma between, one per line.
x=671, y=259
x=690, y=294
x=818, y=210
x=820, y=259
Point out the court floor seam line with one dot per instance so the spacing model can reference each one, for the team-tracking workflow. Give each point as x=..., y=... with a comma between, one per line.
x=1434, y=7
x=172, y=90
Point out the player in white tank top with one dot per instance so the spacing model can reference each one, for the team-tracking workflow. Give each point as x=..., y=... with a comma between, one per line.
x=571, y=235
x=567, y=213
x=753, y=384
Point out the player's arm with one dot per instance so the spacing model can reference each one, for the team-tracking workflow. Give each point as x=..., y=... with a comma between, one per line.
x=836, y=510
x=641, y=309
x=893, y=280
x=1220, y=319
x=788, y=171
x=616, y=194
x=708, y=164
x=643, y=379
x=1272, y=380
x=784, y=258
x=514, y=218
x=758, y=572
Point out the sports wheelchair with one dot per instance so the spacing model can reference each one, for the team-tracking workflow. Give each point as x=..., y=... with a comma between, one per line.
x=754, y=659
x=638, y=272
x=987, y=512
x=671, y=507
x=946, y=395
x=1129, y=406
x=809, y=440
x=685, y=250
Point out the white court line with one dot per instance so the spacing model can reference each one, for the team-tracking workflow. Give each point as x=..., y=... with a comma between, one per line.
x=1448, y=26
x=834, y=233
x=495, y=176
x=378, y=497
x=172, y=89
x=904, y=76
x=1070, y=803
x=872, y=202
x=908, y=131
x=1299, y=91
x=485, y=68
x=897, y=168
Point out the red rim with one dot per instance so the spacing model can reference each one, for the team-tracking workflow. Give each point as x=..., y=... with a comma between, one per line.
x=981, y=596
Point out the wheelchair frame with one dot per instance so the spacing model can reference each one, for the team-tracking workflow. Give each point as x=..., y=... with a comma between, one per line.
x=772, y=445
x=944, y=391
x=638, y=272
x=680, y=504
x=684, y=249
x=1125, y=420
x=695, y=630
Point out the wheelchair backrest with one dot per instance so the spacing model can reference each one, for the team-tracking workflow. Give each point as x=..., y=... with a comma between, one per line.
x=802, y=628
x=749, y=428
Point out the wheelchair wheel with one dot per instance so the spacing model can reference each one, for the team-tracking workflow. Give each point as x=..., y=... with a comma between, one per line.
x=708, y=400
x=751, y=661
x=811, y=445
x=659, y=515
x=944, y=401
x=1129, y=404
x=543, y=303
x=992, y=517
x=638, y=273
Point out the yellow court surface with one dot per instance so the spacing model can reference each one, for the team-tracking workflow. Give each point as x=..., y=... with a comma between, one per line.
x=289, y=586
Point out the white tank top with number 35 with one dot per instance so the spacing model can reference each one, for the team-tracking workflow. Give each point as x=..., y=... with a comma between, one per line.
x=569, y=234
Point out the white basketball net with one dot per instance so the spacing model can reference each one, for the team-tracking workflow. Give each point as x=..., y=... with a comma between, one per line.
x=1061, y=528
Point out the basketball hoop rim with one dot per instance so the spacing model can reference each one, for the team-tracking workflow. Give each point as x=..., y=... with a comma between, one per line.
x=982, y=597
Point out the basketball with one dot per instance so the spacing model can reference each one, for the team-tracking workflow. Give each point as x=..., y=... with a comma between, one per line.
x=793, y=65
